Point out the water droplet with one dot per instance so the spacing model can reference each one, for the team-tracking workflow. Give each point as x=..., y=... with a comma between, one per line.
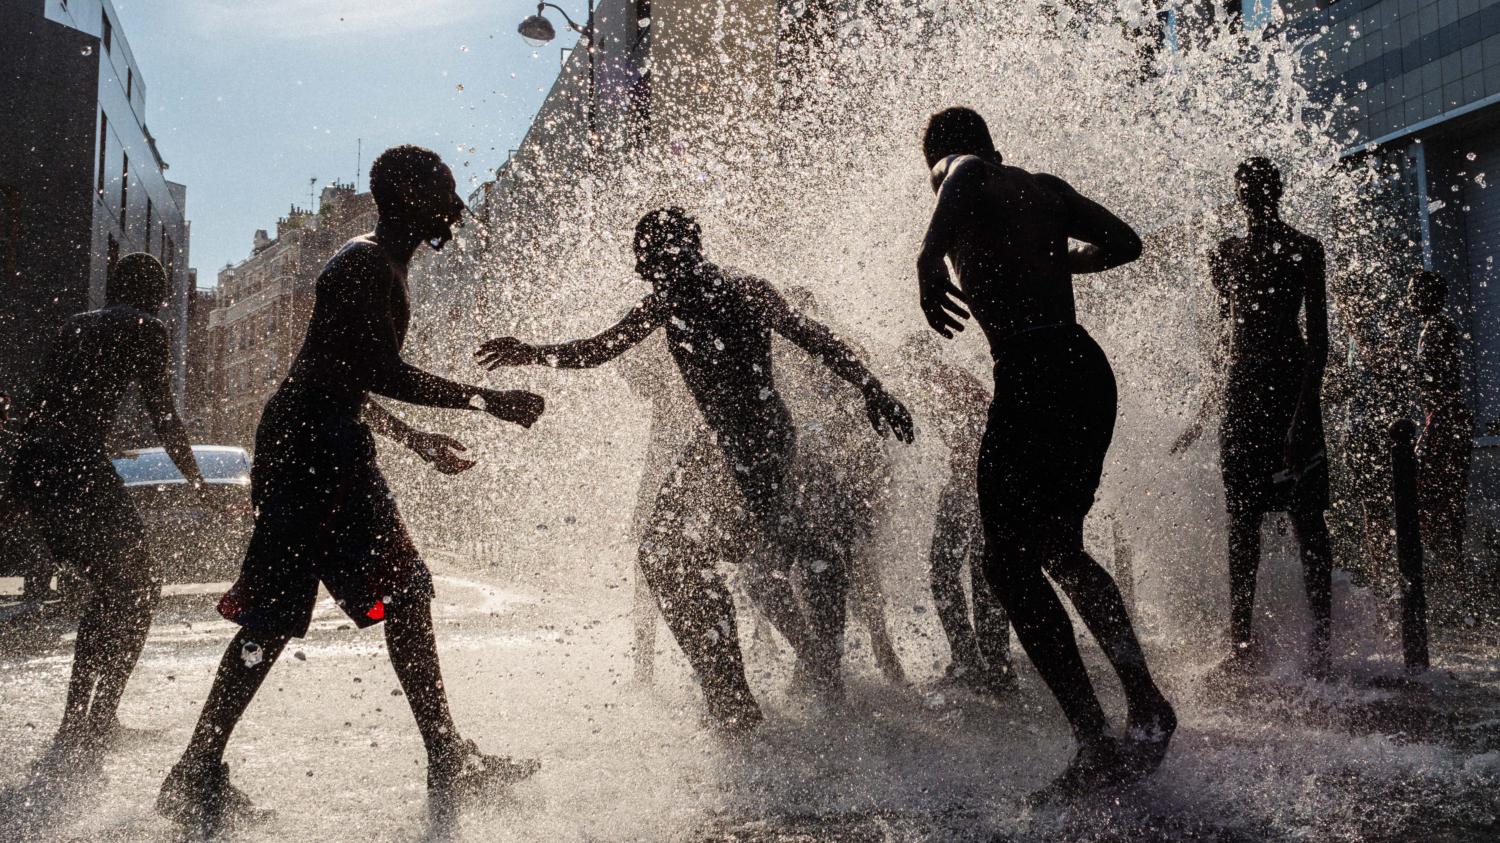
x=87, y=49
x=460, y=87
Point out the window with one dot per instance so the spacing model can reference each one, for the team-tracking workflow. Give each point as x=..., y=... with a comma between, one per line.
x=103, y=148
x=109, y=33
x=129, y=82
x=150, y=212
x=124, y=189
x=111, y=258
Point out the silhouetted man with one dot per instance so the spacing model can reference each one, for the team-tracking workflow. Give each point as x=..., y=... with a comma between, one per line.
x=1007, y=233
x=975, y=625
x=64, y=479
x=1444, y=450
x=324, y=512
x=719, y=324
x=1272, y=452
x=649, y=374
x=847, y=474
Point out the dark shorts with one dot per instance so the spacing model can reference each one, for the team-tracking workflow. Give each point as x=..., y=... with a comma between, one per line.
x=1259, y=404
x=323, y=514
x=79, y=506
x=1049, y=429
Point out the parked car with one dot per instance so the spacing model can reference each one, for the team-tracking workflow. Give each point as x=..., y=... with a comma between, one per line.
x=193, y=540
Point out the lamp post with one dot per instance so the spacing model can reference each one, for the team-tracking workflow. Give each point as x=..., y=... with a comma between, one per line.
x=537, y=30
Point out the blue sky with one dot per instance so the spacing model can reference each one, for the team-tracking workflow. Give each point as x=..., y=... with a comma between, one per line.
x=250, y=100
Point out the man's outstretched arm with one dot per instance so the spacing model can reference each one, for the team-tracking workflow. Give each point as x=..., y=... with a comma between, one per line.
x=359, y=282
x=1105, y=240
x=440, y=450
x=578, y=354
x=817, y=340
x=156, y=394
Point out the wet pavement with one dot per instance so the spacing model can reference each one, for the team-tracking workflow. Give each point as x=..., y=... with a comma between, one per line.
x=330, y=746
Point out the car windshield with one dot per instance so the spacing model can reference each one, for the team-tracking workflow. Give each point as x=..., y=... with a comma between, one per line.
x=157, y=467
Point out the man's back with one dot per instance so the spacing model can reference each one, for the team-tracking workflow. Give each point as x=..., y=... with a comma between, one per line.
x=1011, y=254
x=94, y=359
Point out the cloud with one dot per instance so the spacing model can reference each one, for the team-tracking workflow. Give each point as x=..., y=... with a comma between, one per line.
x=304, y=19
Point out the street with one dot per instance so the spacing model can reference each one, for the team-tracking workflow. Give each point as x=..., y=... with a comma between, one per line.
x=331, y=748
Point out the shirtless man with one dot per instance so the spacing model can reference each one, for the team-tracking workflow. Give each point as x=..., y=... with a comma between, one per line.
x=975, y=625
x=324, y=512
x=719, y=324
x=1272, y=451
x=64, y=479
x=1007, y=233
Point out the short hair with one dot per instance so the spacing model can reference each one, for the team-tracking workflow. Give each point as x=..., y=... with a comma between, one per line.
x=400, y=172
x=1425, y=282
x=139, y=281
x=957, y=131
x=1258, y=171
x=668, y=228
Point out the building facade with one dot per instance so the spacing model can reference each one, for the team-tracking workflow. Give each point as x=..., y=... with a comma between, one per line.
x=1417, y=83
x=262, y=305
x=81, y=180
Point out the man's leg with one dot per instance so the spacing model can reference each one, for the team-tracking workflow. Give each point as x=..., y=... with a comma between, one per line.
x=115, y=631
x=1317, y=570
x=822, y=571
x=413, y=649
x=1244, y=558
x=991, y=626
x=1096, y=597
x=945, y=557
x=244, y=666
x=1041, y=622
x=869, y=603
x=700, y=614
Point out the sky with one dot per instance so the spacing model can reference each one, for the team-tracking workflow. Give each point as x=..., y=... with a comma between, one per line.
x=249, y=101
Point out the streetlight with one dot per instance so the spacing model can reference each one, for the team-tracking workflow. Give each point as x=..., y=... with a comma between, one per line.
x=537, y=30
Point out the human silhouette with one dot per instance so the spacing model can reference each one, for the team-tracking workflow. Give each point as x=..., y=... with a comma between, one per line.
x=1272, y=452
x=847, y=475
x=63, y=478
x=650, y=374
x=1444, y=449
x=324, y=513
x=1007, y=232
x=975, y=624
x=718, y=325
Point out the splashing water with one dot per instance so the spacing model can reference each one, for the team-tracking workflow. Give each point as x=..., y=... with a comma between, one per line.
x=827, y=190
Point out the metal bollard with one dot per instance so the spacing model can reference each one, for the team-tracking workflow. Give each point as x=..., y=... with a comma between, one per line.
x=1409, y=545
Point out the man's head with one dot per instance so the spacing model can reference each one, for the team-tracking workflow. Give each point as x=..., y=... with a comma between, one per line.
x=1257, y=183
x=958, y=131
x=413, y=188
x=138, y=281
x=667, y=241
x=1427, y=292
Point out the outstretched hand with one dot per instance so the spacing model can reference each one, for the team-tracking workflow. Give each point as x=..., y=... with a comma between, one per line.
x=440, y=450
x=941, y=299
x=506, y=351
x=517, y=406
x=1186, y=440
x=886, y=412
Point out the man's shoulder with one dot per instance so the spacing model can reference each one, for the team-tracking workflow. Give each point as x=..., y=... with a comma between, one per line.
x=358, y=259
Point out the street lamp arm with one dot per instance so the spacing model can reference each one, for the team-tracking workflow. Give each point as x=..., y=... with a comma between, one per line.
x=581, y=30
